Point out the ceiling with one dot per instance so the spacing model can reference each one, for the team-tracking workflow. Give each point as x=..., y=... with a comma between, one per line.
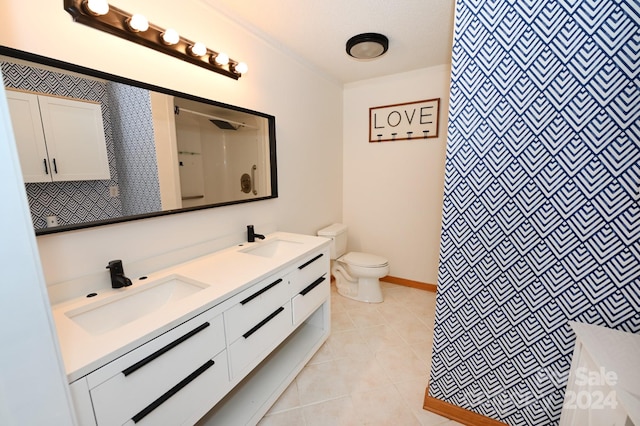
x=419, y=31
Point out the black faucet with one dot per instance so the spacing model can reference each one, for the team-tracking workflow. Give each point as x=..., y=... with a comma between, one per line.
x=118, y=280
x=251, y=235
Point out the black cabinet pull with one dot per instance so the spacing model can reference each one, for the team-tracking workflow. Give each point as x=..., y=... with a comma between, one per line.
x=311, y=286
x=263, y=322
x=55, y=166
x=259, y=292
x=305, y=264
x=163, y=350
x=46, y=168
x=174, y=390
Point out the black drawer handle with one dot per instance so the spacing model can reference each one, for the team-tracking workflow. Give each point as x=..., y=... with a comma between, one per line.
x=174, y=390
x=259, y=292
x=161, y=351
x=263, y=322
x=46, y=169
x=305, y=264
x=311, y=286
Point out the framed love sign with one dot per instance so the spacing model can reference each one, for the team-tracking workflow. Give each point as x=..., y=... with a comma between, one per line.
x=407, y=121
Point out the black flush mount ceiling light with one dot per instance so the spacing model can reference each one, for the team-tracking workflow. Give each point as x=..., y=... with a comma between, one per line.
x=367, y=46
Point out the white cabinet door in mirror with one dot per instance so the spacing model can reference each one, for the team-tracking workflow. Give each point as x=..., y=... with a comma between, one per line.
x=58, y=139
x=27, y=128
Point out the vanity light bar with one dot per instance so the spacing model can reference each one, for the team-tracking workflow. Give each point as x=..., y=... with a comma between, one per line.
x=115, y=21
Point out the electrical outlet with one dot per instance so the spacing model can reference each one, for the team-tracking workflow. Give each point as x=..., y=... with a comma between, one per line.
x=114, y=191
x=52, y=221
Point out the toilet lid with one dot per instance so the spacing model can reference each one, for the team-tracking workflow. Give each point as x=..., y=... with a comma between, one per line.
x=364, y=259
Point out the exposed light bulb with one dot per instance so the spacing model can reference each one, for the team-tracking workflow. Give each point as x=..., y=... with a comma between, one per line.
x=138, y=23
x=221, y=59
x=170, y=37
x=198, y=49
x=241, y=67
x=97, y=7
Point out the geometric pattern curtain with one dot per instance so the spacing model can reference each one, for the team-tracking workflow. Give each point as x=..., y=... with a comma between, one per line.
x=541, y=215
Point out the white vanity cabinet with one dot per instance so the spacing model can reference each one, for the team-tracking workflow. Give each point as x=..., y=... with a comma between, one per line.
x=258, y=322
x=254, y=305
x=167, y=380
x=264, y=369
x=310, y=286
x=58, y=139
x=224, y=366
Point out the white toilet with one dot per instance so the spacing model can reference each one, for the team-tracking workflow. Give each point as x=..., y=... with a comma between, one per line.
x=357, y=274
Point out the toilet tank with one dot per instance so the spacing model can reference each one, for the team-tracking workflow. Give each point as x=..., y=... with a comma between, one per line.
x=338, y=235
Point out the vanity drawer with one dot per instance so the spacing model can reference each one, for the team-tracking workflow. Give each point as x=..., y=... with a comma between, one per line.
x=190, y=399
x=124, y=387
x=259, y=339
x=309, y=270
x=309, y=298
x=255, y=304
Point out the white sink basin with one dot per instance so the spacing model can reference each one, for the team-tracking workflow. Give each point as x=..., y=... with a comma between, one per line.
x=272, y=248
x=131, y=304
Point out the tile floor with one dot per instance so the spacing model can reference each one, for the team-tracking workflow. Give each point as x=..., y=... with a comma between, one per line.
x=373, y=369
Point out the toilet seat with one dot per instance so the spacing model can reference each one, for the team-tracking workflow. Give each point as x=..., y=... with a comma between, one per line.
x=364, y=260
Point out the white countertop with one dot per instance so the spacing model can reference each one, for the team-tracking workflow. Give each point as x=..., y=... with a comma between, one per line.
x=223, y=274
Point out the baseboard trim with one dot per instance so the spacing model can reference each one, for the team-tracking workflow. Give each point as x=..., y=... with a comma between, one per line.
x=459, y=414
x=410, y=283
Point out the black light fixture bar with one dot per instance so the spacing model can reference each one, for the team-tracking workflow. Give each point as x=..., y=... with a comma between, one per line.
x=116, y=22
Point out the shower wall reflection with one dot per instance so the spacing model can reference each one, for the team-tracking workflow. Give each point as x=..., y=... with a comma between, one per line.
x=216, y=152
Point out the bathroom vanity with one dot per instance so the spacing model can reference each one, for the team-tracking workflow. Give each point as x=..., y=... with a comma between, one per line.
x=214, y=340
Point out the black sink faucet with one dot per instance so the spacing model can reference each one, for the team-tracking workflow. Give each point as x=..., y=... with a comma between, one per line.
x=118, y=280
x=251, y=235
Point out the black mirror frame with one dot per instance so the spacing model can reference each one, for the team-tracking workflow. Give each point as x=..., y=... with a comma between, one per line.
x=43, y=60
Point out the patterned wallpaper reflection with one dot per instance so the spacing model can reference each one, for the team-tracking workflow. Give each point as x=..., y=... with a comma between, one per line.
x=72, y=202
x=126, y=113
x=135, y=148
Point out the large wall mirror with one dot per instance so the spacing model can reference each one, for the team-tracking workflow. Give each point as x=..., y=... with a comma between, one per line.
x=97, y=149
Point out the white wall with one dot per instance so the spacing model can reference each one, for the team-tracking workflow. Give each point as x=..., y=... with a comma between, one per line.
x=392, y=191
x=32, y=382
x=307, y=107
x=308, y=111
